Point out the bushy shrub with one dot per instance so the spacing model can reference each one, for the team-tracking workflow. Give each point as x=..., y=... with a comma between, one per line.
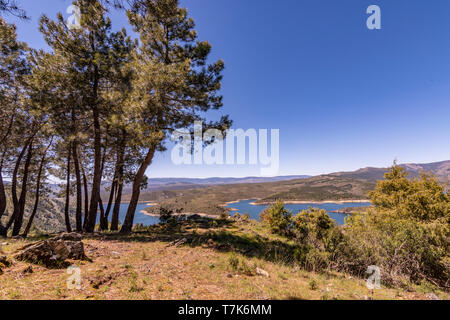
x=318, y=236
x=403, y=249
x=406, y=234
x=421, y=199
x=278, y=218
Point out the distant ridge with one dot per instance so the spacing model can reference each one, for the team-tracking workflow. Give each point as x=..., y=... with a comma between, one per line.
x=440, y=169
x=217, y=180
x=156, y=184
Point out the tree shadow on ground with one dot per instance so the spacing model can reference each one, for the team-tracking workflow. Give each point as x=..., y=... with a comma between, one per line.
x=209, y=233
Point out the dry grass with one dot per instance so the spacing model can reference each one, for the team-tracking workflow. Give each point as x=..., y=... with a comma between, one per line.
x=146, y=266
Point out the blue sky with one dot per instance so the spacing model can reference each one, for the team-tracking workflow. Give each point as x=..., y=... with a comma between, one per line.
x=343, y=97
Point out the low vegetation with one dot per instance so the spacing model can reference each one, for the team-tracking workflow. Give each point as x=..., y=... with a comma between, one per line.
x=406, y=234
x=198, y=259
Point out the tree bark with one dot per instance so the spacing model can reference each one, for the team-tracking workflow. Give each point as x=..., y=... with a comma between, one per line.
x=2, y=198
x=118, y=200
x=23, y=194
x=86, y=197
x=79, y=224
x=104, y=224
x=96, y=183
x=38, y=190
x=14, y=185
x=66, y=208
x=128, y=223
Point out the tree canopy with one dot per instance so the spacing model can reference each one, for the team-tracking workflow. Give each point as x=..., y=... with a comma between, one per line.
x=95, y=109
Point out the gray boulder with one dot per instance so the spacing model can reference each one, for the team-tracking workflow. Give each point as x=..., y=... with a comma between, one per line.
x=54, y=251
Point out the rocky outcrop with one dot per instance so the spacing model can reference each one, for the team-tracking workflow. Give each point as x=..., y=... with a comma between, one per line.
x=53, y=252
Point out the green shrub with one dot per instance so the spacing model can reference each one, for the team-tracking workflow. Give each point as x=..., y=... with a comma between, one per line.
x=403, y=249
x=406, y=234
x=421, y=199
x=313, y=285
x=240, y=266
x=233, y=261
x=278, y=218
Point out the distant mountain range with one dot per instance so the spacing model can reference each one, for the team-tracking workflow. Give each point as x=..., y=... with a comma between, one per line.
x=440, y=169
x=207, y=195
x=155, y=184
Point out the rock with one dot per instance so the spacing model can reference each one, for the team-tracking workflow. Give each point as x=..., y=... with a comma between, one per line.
x=432, y=296
x=262, y=272
x=229, y=275
x=54, y=251
x=177, y=243
x=181, y=242
x=69, y=237
x=98, y=281
x=76, y=250
x=28, y=270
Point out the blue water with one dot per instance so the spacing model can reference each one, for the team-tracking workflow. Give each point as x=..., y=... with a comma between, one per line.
x=139, y=217
x=254, y=211
x=246, y=207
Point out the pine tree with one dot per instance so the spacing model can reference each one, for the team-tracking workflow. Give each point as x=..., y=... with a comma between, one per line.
x=86, y=59
x=13, y=68
x=11, y=7
x=173, y=84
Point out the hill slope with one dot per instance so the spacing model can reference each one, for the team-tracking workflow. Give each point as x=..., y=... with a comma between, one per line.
x=218, y=261
x=440, y=169
x=340, y=186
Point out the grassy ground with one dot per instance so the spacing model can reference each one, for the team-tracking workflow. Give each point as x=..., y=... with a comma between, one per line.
x=218, y=261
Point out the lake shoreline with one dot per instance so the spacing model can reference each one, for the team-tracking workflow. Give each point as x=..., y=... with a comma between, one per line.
x=188, y=214
x=264, y=203
x=255, y=203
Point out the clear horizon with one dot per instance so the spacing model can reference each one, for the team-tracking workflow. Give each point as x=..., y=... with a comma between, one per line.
x=344, y=97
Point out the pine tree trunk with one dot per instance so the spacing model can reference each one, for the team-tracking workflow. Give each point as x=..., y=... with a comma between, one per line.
x=129, y=219
x=66, y=208
x=116, y=210
x=38, y=190
x=102, y=214
x=2, y=202
x=104, y=224
x=14, y=185
x=86, y=197
x=96, y=183
x=3, y=199
x=79, y=223
x=118, y=200
x=23, y=194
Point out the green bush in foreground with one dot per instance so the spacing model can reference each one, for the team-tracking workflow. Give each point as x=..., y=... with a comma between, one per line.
x=278, y=218
x=406, y=233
